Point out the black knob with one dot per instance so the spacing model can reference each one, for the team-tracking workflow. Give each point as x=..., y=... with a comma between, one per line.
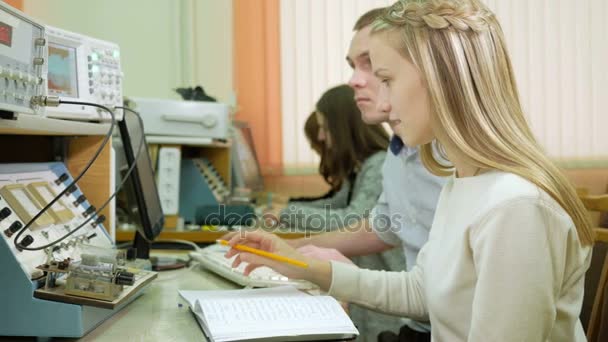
x=26, y=241
x=124, y=278
x=99, y=220
x=4, y=213
x=71, y=189
x=89, y=211
x=13, y=228
x=62, y=178
x=79, y=200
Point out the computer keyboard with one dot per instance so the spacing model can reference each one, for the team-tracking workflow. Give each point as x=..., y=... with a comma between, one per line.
x=212, y=258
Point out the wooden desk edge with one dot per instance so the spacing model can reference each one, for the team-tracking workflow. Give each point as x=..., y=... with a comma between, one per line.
x=198, y=236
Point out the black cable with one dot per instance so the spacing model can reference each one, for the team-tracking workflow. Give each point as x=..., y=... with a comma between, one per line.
x=86, y=168
x=127, y=174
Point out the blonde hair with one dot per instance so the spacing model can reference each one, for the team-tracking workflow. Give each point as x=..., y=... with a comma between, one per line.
x=459, y=48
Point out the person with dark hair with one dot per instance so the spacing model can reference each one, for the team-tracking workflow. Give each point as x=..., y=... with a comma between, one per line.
x=351, y=163
x=311, y=130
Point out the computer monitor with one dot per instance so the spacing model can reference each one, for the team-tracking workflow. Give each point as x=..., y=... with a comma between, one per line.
x=143, y=202
x=245, y=161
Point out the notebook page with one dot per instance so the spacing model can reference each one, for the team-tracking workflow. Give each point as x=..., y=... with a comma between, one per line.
x=266, y=316
x=192, y=296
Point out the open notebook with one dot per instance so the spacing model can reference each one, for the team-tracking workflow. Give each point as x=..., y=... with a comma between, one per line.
x=271, y=314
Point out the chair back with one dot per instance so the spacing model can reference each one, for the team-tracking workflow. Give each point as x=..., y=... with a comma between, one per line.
x=594, y=313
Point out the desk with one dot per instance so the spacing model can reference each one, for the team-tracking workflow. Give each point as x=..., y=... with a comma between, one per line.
x=156, y=316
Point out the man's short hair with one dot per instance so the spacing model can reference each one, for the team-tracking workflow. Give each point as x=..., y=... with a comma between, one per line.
x=368, y=18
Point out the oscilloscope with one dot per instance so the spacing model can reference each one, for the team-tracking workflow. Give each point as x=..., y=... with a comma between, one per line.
x=83, y=68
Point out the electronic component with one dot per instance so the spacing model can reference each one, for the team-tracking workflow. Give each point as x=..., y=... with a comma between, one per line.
x=184, y=118
x=27, y=309
x=71, y=190
x=25, y=205
x=4, y=213
x=79, y=200
x=88, y=211
x=13, y=228
x=212, y=258
x=213, y=178
x=83, y=68
x=98, y=276
x=98, y=220
x=200, y=185
x=27, y=240
x=43, y=193
x=62, y=179
x=22, y=61
x=167, y=179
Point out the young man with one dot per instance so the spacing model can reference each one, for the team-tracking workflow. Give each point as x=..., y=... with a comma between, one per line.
x=404, y=212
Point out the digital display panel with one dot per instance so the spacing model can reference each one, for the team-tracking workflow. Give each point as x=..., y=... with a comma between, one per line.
x=63, y=75
x=6, y=34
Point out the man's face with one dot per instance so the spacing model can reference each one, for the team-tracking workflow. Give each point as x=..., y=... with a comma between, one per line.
x=363, y=81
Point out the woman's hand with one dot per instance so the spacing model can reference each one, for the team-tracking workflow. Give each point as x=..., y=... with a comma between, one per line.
x=318, y=271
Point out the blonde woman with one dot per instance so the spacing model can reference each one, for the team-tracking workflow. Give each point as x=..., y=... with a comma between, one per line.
x=510, y=242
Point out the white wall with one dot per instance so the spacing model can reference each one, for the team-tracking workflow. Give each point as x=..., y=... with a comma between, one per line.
x=315, y=36
x=559, y=50
x=158, y=51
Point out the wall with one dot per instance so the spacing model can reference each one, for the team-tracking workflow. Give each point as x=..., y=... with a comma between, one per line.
x=558, y=48
x=151, y=35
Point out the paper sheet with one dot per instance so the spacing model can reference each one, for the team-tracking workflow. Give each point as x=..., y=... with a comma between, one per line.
x=272, y=312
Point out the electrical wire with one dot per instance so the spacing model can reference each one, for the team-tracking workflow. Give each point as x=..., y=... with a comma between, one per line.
x=180, y=241
x=86, y=168
x=126, y=176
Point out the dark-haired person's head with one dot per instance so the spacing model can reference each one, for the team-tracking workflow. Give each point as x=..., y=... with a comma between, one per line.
x=347, y=139
x=363, y=81
x=311, y=130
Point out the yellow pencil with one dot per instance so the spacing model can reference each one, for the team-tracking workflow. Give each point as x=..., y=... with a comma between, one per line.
x=265, y=254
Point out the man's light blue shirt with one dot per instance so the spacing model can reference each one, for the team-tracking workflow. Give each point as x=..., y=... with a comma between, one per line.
x=404, y=212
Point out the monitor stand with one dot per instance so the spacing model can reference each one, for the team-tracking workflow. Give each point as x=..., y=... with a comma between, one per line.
x=142, y=246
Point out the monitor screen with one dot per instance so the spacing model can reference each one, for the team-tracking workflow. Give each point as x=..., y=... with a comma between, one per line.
x=143, y=201
x=247, y=167
x=63, y=75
